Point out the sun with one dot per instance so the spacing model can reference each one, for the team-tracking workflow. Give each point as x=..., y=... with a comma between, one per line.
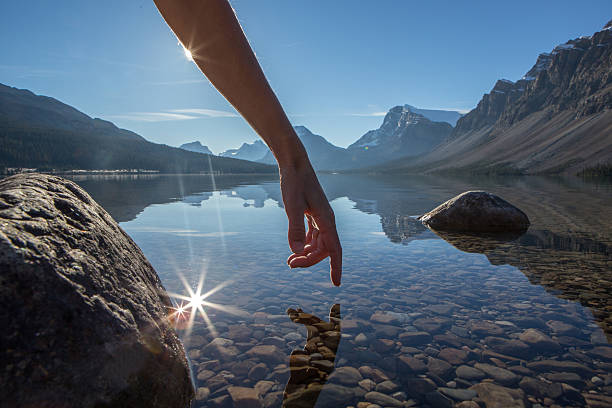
x=187, y=52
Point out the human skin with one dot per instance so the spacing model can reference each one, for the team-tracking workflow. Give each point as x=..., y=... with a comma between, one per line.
x=210, y=30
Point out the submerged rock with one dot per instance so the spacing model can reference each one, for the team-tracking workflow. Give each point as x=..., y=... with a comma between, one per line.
x=84, y=315
x=476, y=211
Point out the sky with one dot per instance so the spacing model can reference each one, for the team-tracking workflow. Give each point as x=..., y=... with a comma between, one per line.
x=336, y=66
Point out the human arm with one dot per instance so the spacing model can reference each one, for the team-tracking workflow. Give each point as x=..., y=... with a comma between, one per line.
x=210, y=31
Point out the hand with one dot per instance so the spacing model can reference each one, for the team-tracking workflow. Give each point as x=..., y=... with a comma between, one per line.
x=303, y=196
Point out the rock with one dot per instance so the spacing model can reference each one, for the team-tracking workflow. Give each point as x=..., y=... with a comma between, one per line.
x=602, y=353
x=258, y=372
x=501, y=375
x=476, y=211
x=467, y=404
x=387, y=387
x=439, y=367
x=568, y=378
x=417, y=387
x=345, y=376
x=273, y=399
x=563, y=329
x=458, y=394
x=414, y=338
x=333, y=396
x=367, y=384
x=496, y=396
x=202, y=394
x=224, y=401
x=469, y=373
x=432, y=324
x=77, y=284
x=205, y=375
x=382, y=400
x=361, y=339
x=540, y=389
x=539, y=341
x=562, y=366
x=243, y=397
x=453, y=356
x=409, y=365
x=511, y=347
x=383, y=345
x=437, y=400
x=263, y=387
x=484, y=328
x=267, y=353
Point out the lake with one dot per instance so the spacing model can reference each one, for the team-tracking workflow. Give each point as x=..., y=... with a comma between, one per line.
x=420, y=319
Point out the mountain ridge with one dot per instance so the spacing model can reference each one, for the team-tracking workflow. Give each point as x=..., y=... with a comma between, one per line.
x=41, y=132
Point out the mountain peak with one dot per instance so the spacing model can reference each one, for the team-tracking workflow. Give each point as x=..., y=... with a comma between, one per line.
x=196, y=147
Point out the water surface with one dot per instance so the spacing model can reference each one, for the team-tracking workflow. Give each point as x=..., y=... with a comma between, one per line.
x=421, y=319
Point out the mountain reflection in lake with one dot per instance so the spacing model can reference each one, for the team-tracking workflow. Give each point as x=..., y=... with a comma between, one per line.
x=427, y=319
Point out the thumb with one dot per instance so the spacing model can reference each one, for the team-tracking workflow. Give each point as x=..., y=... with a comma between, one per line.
x=297, y=232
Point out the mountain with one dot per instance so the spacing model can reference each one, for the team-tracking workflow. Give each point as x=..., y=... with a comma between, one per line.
x=555, y=119
x=403, y=133
x=196, y=147
x=323, y=155
x=44, y=133
x=437, y=115
x=253, y=152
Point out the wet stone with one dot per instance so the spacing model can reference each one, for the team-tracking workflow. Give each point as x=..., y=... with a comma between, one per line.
x=387, y=387
x=432, y=325
x=501, y=375
x=484, y=328
x=258, y=372
x=345, y=376
x=437, y=400
x=367, y=384
x=453, y=356
x=244, y=397
x=510, y=347
x=458, y=394
x=382, y=399
x=539, y=341
x=540, y=389
x=267, y=353
x=439, y=367
x=496, y=396
x=410, y=365
x=469, y=373
x=414, y=338
x=562, y=366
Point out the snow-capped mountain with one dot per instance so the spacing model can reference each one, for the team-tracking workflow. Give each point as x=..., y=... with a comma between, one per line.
x=196, y=147
x=248, y=151
x=403, y=133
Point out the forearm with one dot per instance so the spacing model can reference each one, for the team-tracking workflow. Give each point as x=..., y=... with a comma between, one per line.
x=210, y=31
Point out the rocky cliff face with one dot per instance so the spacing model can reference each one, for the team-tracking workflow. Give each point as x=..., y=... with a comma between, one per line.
x=575, y=76
x=83, y=313
x=557, y=118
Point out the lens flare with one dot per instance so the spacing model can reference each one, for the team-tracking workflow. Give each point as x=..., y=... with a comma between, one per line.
x=189, y=306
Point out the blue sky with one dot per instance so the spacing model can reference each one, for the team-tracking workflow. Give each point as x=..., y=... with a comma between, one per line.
x=335, y=65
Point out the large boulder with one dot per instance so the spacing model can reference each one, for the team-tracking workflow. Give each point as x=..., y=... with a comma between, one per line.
x=83, y=313
x=476, y=211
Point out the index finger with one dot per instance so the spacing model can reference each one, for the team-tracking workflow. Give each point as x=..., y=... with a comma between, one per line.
x=332, y=244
